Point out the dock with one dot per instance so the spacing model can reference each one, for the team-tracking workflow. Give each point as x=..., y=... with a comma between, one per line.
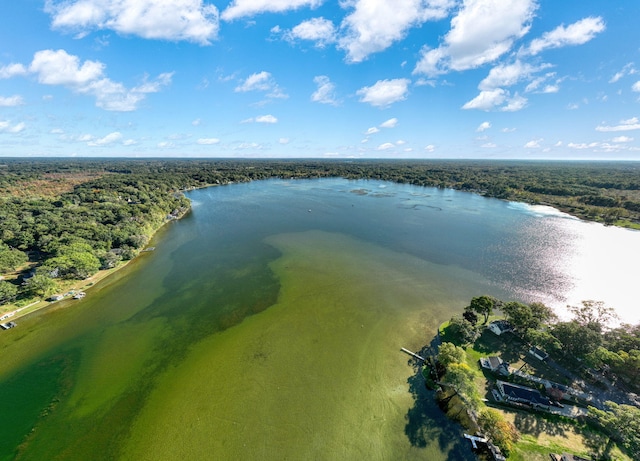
x=412, y=354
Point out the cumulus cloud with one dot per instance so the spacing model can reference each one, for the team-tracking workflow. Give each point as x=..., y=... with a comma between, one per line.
x=533, y=144
x=60, y=68
x=385, y=92
x=266, y=119
x=284, y=141
x=483, y=126
x=577, y=33
x=190, y=20
x=241, y=8
x=325, y=93
x=261, y=81
x=481, y=32
x=624, y=125
x=12, y=70
x=497, y=99
x=105, y=141
x=372, y=130
x=208, y=141
x=391, y=123
x=375, y=25
x=7, y=127
x=622, y=139
x=636, y=87
x=385, y=146
x=508, y=75
x=11, y=101
x=318, y=30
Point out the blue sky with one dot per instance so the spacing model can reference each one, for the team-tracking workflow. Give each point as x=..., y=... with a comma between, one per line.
x=318, y=78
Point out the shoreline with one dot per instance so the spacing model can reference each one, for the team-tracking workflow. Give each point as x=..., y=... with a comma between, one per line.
x=82, y=285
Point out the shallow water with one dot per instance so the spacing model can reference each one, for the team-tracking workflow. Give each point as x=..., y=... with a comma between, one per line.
x=268, y=323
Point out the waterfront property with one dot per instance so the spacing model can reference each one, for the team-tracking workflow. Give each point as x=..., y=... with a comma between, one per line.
x=495, y=364
x=520, y=394
x=500, y=326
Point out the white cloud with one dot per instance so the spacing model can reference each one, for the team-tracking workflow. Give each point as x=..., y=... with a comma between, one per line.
x=489, y=145
x=197, y=122
x=577, y=33
x=166, y=145
x=261, y=81
x=533, y=144
x=266, y=119
x=7, y=127
x=636, y=86
x=385, y=92
x=483, y=126
x=325, y=93
x=284, y=141
x=11, y=101
x=108, y=139
x=12, y=70
x=622, y=139
x=391, y=123
x=508, y=75
x=498, y=99
x=487, y=99
x=372, y=130
x=190, y=20
x=481, y=32
x=60, y=68
x=208, y=141
x=129, y=142
x=319, y=30
x=385, y=146
x=374, y=25
x=240, y=8
x=430, y=148
x=624, y=125
x=628, y=69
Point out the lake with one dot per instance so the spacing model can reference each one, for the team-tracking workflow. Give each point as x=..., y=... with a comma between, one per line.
x=268, y=323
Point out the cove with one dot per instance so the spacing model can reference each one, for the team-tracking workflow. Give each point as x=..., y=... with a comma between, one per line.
x=268, y=323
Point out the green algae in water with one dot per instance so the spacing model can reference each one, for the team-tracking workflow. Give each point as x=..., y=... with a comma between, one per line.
x=28, y=398
x=319, y=375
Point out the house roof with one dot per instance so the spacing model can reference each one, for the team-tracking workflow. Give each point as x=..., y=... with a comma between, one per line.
x=523, y=393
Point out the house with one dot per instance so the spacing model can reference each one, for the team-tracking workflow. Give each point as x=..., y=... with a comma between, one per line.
x=520, y=394
x=500, y=326
x=538, y=353
x=495, y=365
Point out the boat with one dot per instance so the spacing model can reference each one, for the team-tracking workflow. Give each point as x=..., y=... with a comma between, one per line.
x=79, y=295
x=8, y=325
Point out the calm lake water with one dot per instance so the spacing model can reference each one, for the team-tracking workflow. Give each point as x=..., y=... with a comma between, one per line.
x=268, y=324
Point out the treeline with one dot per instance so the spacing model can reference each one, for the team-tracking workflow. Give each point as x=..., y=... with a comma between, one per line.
x=74, y=216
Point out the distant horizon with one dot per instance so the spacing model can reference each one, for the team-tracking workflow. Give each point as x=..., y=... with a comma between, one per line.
x=379, y=79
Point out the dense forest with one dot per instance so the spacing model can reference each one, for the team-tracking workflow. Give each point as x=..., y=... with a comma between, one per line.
x=68, y=218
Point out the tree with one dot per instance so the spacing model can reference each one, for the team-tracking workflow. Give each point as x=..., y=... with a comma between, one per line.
x=10, y=259
x=449, y=353
x=8, y=292
x=622, y=423
x=501, y=432
x=462, y=330
x=482, y=305
x=593, y=315
x=40, y=285
x=577, y=340
x=525, y=317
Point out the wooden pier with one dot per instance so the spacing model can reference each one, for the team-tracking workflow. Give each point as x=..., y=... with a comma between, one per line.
x=413, y=354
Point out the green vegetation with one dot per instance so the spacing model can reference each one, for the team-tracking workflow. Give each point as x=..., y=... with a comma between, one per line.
x=584, y=345
x=71, y=217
